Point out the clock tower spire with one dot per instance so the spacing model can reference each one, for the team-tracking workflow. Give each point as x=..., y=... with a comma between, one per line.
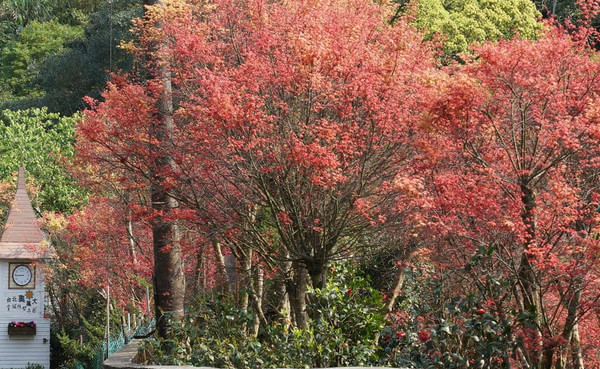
x=24, y=322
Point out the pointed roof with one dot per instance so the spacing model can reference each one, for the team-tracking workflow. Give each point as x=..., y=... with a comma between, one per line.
x=22, y=237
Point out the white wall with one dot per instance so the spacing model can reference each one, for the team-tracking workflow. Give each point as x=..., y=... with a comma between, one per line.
x=18, y=351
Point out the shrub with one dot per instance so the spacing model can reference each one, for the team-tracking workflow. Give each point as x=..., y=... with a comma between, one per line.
x=470, y=327
x=346, y=316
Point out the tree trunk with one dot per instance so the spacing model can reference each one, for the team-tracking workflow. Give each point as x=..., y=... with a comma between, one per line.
x=296, y=288
x=281, y=293
x=200, y=277
x=571, y=329
x=576, y=354
x=400, y=278
x=318, y=273
x=169, y=279
x=526, y=274
x=389, y=306
x=547, y=356
x=245, y=260
x=169, y=282
x=222, y=267
x=132, y=252
x=257, y=293
x=244, y=285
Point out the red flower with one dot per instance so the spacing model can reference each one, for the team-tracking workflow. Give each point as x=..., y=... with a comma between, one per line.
x=349, y=292
x=424, y=335
x=400, y=334
x=480, y=311
x=14, y=324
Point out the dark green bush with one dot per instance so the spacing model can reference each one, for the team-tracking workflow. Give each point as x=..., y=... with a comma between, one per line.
x=446, y=327
x=345, y=319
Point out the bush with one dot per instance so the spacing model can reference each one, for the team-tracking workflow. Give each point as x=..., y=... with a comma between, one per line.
x=346, y=316
x=469, y=328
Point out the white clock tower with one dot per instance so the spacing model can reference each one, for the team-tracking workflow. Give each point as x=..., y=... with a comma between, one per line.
x=24, y=323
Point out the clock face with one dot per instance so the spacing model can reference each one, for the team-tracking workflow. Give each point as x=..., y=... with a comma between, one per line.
x=22, y=275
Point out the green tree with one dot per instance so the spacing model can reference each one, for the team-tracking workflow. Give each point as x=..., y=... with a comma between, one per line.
x=75, y=12
x=560, y=8
x=39, y=140
x=15, y=14
x=463, y=22
x=81, y=70
x=21, y=58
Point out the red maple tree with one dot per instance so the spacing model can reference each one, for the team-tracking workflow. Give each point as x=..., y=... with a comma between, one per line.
x=518, y=173
x=291, y=121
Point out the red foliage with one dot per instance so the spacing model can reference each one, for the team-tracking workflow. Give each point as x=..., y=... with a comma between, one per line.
x=291, y=123
x=300, y=126
x=582, y=28
x=102, y=252
x=509, y=148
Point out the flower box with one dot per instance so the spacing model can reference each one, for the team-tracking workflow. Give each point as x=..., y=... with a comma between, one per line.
x=21, y=328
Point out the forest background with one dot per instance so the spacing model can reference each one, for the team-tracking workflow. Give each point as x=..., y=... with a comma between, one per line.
x=311, y=183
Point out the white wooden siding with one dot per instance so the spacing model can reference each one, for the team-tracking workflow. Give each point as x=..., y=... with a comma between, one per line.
x=18, y=351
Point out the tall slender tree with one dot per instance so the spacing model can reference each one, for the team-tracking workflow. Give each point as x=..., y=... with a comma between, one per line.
x=169, y=280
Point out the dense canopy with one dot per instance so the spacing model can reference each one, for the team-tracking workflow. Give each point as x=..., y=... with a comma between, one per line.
x=314, y=183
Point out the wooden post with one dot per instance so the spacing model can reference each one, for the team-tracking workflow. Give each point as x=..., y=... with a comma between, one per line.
x=107, y=318
x=147, y=304
x=124, y=329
